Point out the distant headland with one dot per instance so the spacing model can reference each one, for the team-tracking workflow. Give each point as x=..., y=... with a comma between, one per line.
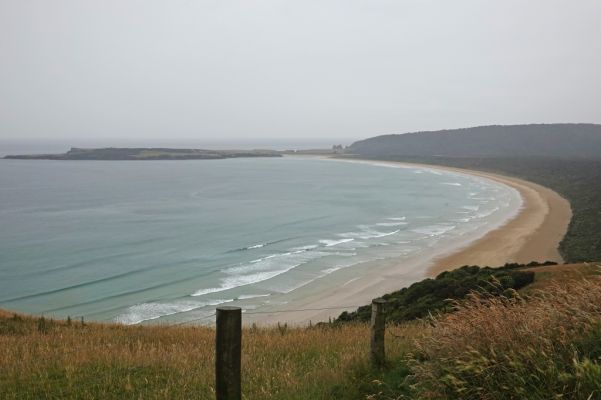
x=118, y=153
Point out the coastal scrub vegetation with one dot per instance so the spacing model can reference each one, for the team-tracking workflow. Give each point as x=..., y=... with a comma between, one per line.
x=429, y=296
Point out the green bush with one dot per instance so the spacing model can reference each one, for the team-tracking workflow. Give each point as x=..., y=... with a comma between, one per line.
x=432, y=295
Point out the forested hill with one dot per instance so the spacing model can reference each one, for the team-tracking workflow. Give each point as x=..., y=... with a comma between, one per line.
x=563, y=157
x=536, y=140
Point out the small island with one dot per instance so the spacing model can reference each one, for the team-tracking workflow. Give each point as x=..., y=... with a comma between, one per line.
x=117, y=153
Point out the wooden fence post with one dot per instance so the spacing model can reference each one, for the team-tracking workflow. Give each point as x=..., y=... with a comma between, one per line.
x=378, y=326
x=228, y=342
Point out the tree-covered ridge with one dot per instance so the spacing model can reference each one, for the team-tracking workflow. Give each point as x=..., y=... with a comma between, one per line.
x=536, y=140
x=431, y=296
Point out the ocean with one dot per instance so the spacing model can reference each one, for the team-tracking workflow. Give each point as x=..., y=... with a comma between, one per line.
x=168, y=241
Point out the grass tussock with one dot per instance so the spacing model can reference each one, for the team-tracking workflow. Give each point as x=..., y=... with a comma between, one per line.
x=544, y=346
x=44, y=359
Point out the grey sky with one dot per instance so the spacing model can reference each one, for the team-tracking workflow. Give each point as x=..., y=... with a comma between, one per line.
x=206, y=70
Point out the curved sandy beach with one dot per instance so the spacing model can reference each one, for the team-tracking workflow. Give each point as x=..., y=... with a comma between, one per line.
x=532, y=235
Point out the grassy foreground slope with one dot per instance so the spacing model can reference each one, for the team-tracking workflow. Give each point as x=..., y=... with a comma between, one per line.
x=57, y=360
x=537, y=347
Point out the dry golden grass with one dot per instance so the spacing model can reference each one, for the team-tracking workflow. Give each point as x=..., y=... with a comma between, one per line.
x=537, y=347
x=57, y=360
x=5, y=314
x=561, y=273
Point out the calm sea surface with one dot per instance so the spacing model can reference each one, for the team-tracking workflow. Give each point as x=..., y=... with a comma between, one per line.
x=169, y=240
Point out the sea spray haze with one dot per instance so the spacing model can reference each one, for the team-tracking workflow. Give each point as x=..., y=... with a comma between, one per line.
x=168, y=241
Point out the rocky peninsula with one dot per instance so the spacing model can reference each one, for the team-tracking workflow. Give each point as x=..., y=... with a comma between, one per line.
x=116, y=153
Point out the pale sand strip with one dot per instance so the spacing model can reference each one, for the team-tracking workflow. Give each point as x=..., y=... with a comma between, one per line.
x=533, y=234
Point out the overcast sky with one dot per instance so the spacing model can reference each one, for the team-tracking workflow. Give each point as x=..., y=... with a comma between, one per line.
x=226, y=69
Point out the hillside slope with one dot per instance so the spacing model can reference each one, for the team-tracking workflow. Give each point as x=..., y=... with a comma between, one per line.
x=536, y=140
x=547, y=344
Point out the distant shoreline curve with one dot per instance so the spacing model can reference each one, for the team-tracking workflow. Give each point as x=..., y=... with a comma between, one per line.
x=533, y=234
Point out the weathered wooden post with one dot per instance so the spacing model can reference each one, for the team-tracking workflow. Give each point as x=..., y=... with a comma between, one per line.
x=378, y=326
x=228, y=342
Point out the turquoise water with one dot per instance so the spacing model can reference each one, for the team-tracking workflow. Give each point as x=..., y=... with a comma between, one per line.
x=169, y=240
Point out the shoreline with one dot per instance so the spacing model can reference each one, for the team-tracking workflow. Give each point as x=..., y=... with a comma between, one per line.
x=532, y=234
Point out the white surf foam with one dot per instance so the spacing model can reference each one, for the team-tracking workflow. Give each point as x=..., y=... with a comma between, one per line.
x=330, y=243
x=461, y=219
x=376, y=234
x=209, y=290
x=328, y=271
x=261, y=270
x=399, y=223
x=149, y=311
x=304, y=248
x=434, y=230
x=251, y=296
x=256, y=246
x=243, y=280
x=487, y=213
